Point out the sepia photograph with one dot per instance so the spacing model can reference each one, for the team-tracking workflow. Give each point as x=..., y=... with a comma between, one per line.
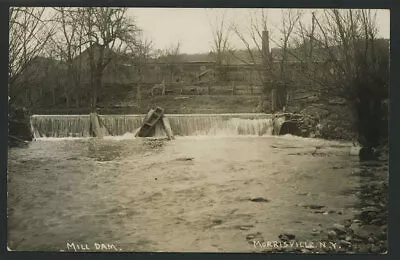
x=238, y=130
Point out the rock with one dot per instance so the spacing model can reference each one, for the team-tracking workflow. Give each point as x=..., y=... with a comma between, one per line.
x=356, y=221
x=19, y=126
x=345, y=243
x=363, y=249
x=383, y=235
x=337, y=101
x=250, y=236
x=286, y=237
x=257, y=235
x=339, y=228
x=259, y=199
x=332, y=234
x=347, y=223
x=376, y=221
x=316, y=232
x=354, y=226
x=369, y=215
x=384, y=228
x=217, y=222
x=372, y=229
x=374, y=249
x=312, y=206
x=348, y=238
x=365, y=231
x=371, y=240
x=370, y=209
x=245, y=227
x=358, y=240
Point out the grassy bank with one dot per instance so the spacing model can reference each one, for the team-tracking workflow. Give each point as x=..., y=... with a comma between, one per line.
x=172, y=104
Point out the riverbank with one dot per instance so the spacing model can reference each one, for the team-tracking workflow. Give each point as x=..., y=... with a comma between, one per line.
x=365, y=232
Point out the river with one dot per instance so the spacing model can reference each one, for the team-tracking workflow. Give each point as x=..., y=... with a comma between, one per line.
x=191, y=194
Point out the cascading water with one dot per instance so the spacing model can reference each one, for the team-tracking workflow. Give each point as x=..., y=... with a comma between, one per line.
x=223, y=124
x=121, y=124
x=60, y=125
x=181, y=124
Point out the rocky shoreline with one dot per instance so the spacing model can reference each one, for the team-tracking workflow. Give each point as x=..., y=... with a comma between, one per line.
x=19, y=132
x=366, y=232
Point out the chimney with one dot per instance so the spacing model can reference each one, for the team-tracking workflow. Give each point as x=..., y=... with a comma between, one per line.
x=265, y=44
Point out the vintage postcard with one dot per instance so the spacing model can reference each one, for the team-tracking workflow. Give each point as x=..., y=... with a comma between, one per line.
x=198, y=130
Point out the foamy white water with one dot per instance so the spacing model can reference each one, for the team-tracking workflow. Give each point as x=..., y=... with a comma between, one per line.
x=57, y=139
x=181, y=124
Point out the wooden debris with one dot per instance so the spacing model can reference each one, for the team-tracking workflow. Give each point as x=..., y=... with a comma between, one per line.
x=155, y=118
x=167, y=128
x=150, y=121
x=97, y=129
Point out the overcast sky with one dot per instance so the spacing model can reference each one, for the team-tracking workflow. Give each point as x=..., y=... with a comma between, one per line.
x=191, y=27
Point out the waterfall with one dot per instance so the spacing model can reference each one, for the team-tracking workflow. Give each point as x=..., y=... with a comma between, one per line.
x=121, y=124
x=60, y=125
x=221, y=124
x=181, y=124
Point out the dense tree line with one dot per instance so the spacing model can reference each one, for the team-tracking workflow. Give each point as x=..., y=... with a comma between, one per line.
x=61, y=55
x=72, y=48
x=338, y=54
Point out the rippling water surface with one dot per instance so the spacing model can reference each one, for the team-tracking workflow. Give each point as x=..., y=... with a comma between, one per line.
x=189, y=194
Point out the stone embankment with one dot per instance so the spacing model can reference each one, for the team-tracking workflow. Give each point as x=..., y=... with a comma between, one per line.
x=19, y=132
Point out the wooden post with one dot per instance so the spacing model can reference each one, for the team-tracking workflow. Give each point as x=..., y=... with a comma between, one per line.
x=97, y=130
x=167, y=128
x=273, y=100
x=267, y=65
x=148, y=115
x=145, y=119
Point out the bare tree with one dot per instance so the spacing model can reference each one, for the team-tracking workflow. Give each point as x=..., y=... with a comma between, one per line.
x=257, y=41
x=171, y=57
x=28, y=33
x=345, y=40
x=289, y=21
x=353, y=64
x=252, y=39
x=221, y=49
x=108, y=32
x=141, y=57
x=68, y=46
